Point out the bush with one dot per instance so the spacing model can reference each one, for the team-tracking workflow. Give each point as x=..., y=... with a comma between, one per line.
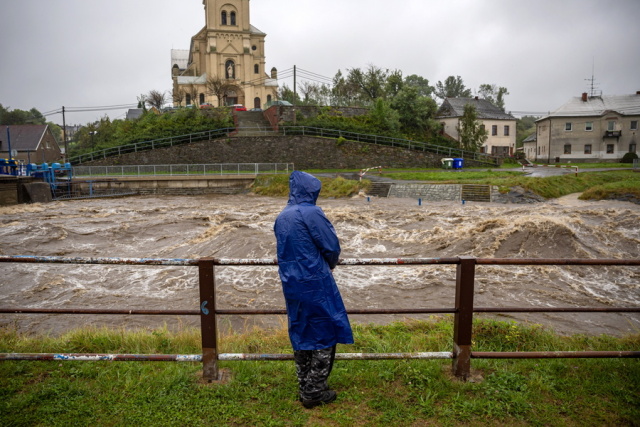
x=629, y=158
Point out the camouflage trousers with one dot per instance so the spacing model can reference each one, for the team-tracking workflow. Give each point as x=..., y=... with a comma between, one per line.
x=313, y=368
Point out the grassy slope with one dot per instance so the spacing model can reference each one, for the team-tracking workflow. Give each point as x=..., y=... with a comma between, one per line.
x=573, y=392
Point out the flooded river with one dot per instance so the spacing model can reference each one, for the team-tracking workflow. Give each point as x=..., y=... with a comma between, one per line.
x=241, y=227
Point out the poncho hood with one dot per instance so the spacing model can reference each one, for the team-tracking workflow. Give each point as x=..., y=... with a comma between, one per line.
x=303, y=188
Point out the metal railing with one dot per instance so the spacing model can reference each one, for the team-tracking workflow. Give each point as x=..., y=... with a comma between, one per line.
x=463, y=312
x=184, y=170
x=152, y=145
x=285, y=130
x=390, y=141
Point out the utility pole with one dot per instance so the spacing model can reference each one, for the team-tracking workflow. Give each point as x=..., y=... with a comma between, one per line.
x=64, y=135
x=295, y=94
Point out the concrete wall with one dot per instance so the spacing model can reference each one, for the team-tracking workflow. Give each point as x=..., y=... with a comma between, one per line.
x=305, y=152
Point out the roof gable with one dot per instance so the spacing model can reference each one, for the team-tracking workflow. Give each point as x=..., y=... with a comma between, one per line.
x=23, y=137
x=454, y=107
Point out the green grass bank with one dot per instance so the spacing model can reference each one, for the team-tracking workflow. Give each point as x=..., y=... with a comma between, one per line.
x=543, y=392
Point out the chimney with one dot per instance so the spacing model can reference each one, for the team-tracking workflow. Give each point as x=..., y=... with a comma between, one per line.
x=584, y=97
x=476, y=98
x=638, y=92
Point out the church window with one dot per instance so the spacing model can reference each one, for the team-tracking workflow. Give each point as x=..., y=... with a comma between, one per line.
x=256, y=69
x=224, y=17
x=233, y=18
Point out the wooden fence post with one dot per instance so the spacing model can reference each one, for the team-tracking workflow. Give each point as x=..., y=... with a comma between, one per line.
x=208, y=324
x=463, y=320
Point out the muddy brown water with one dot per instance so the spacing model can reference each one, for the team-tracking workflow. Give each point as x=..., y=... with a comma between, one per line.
x=241, y=227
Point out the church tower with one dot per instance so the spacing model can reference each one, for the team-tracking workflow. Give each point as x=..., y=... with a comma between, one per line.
x=226, y=62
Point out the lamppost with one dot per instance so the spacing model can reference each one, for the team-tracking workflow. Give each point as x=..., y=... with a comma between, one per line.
x=93, y=132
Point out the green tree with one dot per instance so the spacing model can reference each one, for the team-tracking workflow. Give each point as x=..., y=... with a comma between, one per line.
x=370, y=83
x=20, y=117
x=471, y=133
x=453, y=87
x=421, y=84
x=393, y=84
x=383, y=117
x=493, y=94
x=416, y=113
x=285, y=93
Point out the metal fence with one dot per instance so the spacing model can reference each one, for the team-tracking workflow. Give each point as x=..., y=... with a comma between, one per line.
x=390, y=141
x=184, y=170
x=463, y=312
x=285, y=130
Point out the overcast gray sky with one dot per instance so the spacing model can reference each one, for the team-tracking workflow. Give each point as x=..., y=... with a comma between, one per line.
x=89, y=53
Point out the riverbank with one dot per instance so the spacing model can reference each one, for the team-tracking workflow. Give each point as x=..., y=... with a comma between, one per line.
x=570, y=392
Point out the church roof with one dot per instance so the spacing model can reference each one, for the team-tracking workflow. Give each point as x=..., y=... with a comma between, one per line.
x=180, y=57
x=254, y=30
x=454, y=107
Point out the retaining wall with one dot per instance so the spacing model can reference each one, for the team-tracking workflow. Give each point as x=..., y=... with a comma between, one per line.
x=304, y=151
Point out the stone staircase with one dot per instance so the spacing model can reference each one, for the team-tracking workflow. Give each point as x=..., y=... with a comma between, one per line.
x=379, y=189
x=253, y=123
x=476, y=192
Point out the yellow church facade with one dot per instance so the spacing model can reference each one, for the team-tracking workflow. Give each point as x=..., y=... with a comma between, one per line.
x=226, y=63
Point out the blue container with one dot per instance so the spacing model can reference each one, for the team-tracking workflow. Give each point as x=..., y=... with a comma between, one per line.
x=458, y=163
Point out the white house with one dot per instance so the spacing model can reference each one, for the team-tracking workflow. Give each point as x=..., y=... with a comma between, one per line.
x=589, y=128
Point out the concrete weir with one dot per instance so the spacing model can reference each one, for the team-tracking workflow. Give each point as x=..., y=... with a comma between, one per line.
x=172, y=185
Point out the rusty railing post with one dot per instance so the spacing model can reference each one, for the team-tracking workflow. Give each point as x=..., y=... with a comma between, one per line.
x=463, y=319
x=208, y=326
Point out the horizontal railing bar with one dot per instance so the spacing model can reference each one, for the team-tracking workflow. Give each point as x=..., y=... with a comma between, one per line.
x=554, y=354
x=236, y=312
x=554, y=261
x=556, y=309
x=90, y=357
x=344, y=261
x=98, y=311
x=98, y=261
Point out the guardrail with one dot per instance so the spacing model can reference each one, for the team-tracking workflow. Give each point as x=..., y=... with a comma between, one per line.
x=463, y=311
x=152, y=145
x=389, y=141
x=285, y=130
x=185, y=170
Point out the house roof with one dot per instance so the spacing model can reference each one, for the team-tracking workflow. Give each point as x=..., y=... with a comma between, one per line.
x=531, y=138
x=23, y=137
x=596, y=106
x=134, y=113
x=454, y=107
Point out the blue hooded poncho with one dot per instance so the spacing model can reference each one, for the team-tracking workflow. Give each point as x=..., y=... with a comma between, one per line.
x=308, y=249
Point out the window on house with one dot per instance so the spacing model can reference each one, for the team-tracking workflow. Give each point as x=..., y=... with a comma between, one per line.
x=201, y=98
x=506, y=131
x=188, y=98
x=494, y=130
x=610, y=149
x=224, y=18
x=611, y=125
x=233, y=18
x=587, y=149
x=634, y=125
x=538, y=151
x=588, y=126
x=256, y=69
x=567, y=149
x=568, y=126
x=632, y=148
x=482, y=128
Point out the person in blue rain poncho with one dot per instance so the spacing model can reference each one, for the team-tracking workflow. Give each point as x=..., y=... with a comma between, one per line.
x=308, y=250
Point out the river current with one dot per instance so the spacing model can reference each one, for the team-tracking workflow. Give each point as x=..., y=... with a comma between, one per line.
x=240, y=226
